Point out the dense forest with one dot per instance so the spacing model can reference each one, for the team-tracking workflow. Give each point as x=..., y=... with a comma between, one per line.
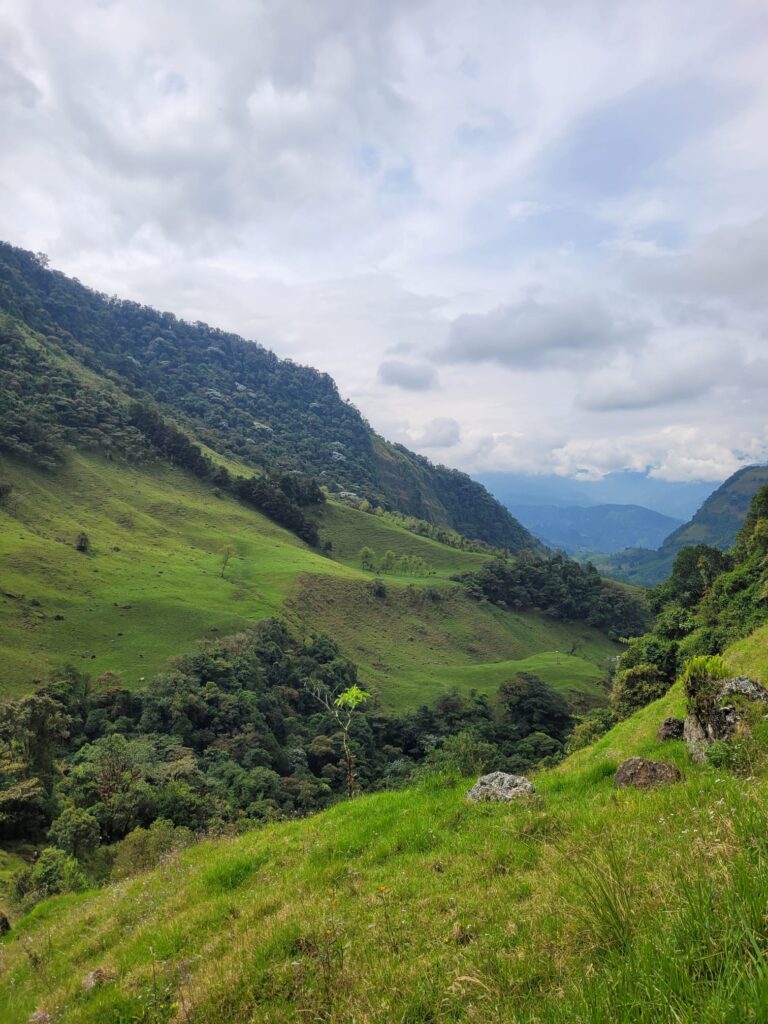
x=562, y=588
x=241, y=399
x=711, y=599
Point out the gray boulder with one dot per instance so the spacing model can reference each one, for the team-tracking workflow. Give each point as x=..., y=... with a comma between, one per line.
x=500, y=786
x=671, y=729
x=644, y=774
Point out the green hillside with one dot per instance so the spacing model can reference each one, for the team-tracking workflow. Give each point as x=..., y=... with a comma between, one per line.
x=586, y=905
x=410, y=643
x=241, y=399
x=151, y=585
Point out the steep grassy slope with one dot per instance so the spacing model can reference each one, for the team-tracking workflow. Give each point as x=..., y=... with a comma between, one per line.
x=242, y=399
x=586, y=905
x=151, y=585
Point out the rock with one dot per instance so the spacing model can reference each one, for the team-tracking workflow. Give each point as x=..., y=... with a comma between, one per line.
x=96, y=977
x=40, y=1017
x=5, y=924
x=722, y=719
x=671, y=729
x=500, y=786
x=643, y=774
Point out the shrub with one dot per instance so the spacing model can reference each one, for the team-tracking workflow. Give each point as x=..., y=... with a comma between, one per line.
x=54, y=872
x=144, y=848
x=701, y=677
x=76, y=832
x=589, y=728
x=635, y=687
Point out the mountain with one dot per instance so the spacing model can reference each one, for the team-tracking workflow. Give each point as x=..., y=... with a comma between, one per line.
x=114, y=517
x=716, y=524
x=244, y=401
x=595, y=528
x=677, y=499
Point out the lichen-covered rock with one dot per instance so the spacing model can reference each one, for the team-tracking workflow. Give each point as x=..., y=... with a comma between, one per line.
x=500, y=786
x=720, y=719
x=644, y=774
x=671, y=729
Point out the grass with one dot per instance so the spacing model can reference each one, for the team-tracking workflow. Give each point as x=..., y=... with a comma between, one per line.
x=587, y=904
x=151, y=586
x=409, y=646
x=749, y=657
x=350, y=531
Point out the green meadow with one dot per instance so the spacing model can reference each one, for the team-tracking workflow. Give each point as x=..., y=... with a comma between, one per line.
x=151, y=585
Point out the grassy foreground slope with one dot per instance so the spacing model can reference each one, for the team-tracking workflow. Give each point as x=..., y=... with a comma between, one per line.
x=586, y=905
x=151, y=586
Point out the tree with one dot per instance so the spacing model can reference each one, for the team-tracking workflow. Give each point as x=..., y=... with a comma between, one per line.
x=367, y=559
x=76, y=832
x=342, y=707
x=227, y=552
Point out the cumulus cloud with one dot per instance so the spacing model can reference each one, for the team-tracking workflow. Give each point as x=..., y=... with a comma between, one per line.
x=531, y=333
x=411, y=376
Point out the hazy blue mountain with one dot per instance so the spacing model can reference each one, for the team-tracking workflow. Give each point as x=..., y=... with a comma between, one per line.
x=671, y=498
x=716, y=523
x=595, y=528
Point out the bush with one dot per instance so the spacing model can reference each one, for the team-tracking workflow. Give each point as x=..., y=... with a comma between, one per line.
x=76, y=832
x=590, y=728
x=54, y=872
x=701, y=678
x=144, y=848
x=635, y=687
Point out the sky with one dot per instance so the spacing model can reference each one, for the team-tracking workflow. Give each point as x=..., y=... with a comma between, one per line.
x=526, y=236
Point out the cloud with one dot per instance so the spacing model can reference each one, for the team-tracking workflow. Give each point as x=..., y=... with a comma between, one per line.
x=728, y=263
x=531, y=333
x=395, y=190
x=439, y=433
x=411, y=376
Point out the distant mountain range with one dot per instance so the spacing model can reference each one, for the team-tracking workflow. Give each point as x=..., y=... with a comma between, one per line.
x=716, y=523
x=678, y=499
x=600, y=529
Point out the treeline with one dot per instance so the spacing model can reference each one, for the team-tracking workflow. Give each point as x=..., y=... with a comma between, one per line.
x=233, y=735
x=710, y=599
x=562, y=588
x=279, y=497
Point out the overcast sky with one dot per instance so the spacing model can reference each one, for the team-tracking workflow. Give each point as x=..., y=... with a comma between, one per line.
x=520, y=235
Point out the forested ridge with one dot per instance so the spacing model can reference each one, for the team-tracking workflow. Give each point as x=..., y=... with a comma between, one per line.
x=241, y=399
x=711, y=600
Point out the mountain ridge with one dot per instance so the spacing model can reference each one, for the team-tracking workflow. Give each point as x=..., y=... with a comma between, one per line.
x=243, y=400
